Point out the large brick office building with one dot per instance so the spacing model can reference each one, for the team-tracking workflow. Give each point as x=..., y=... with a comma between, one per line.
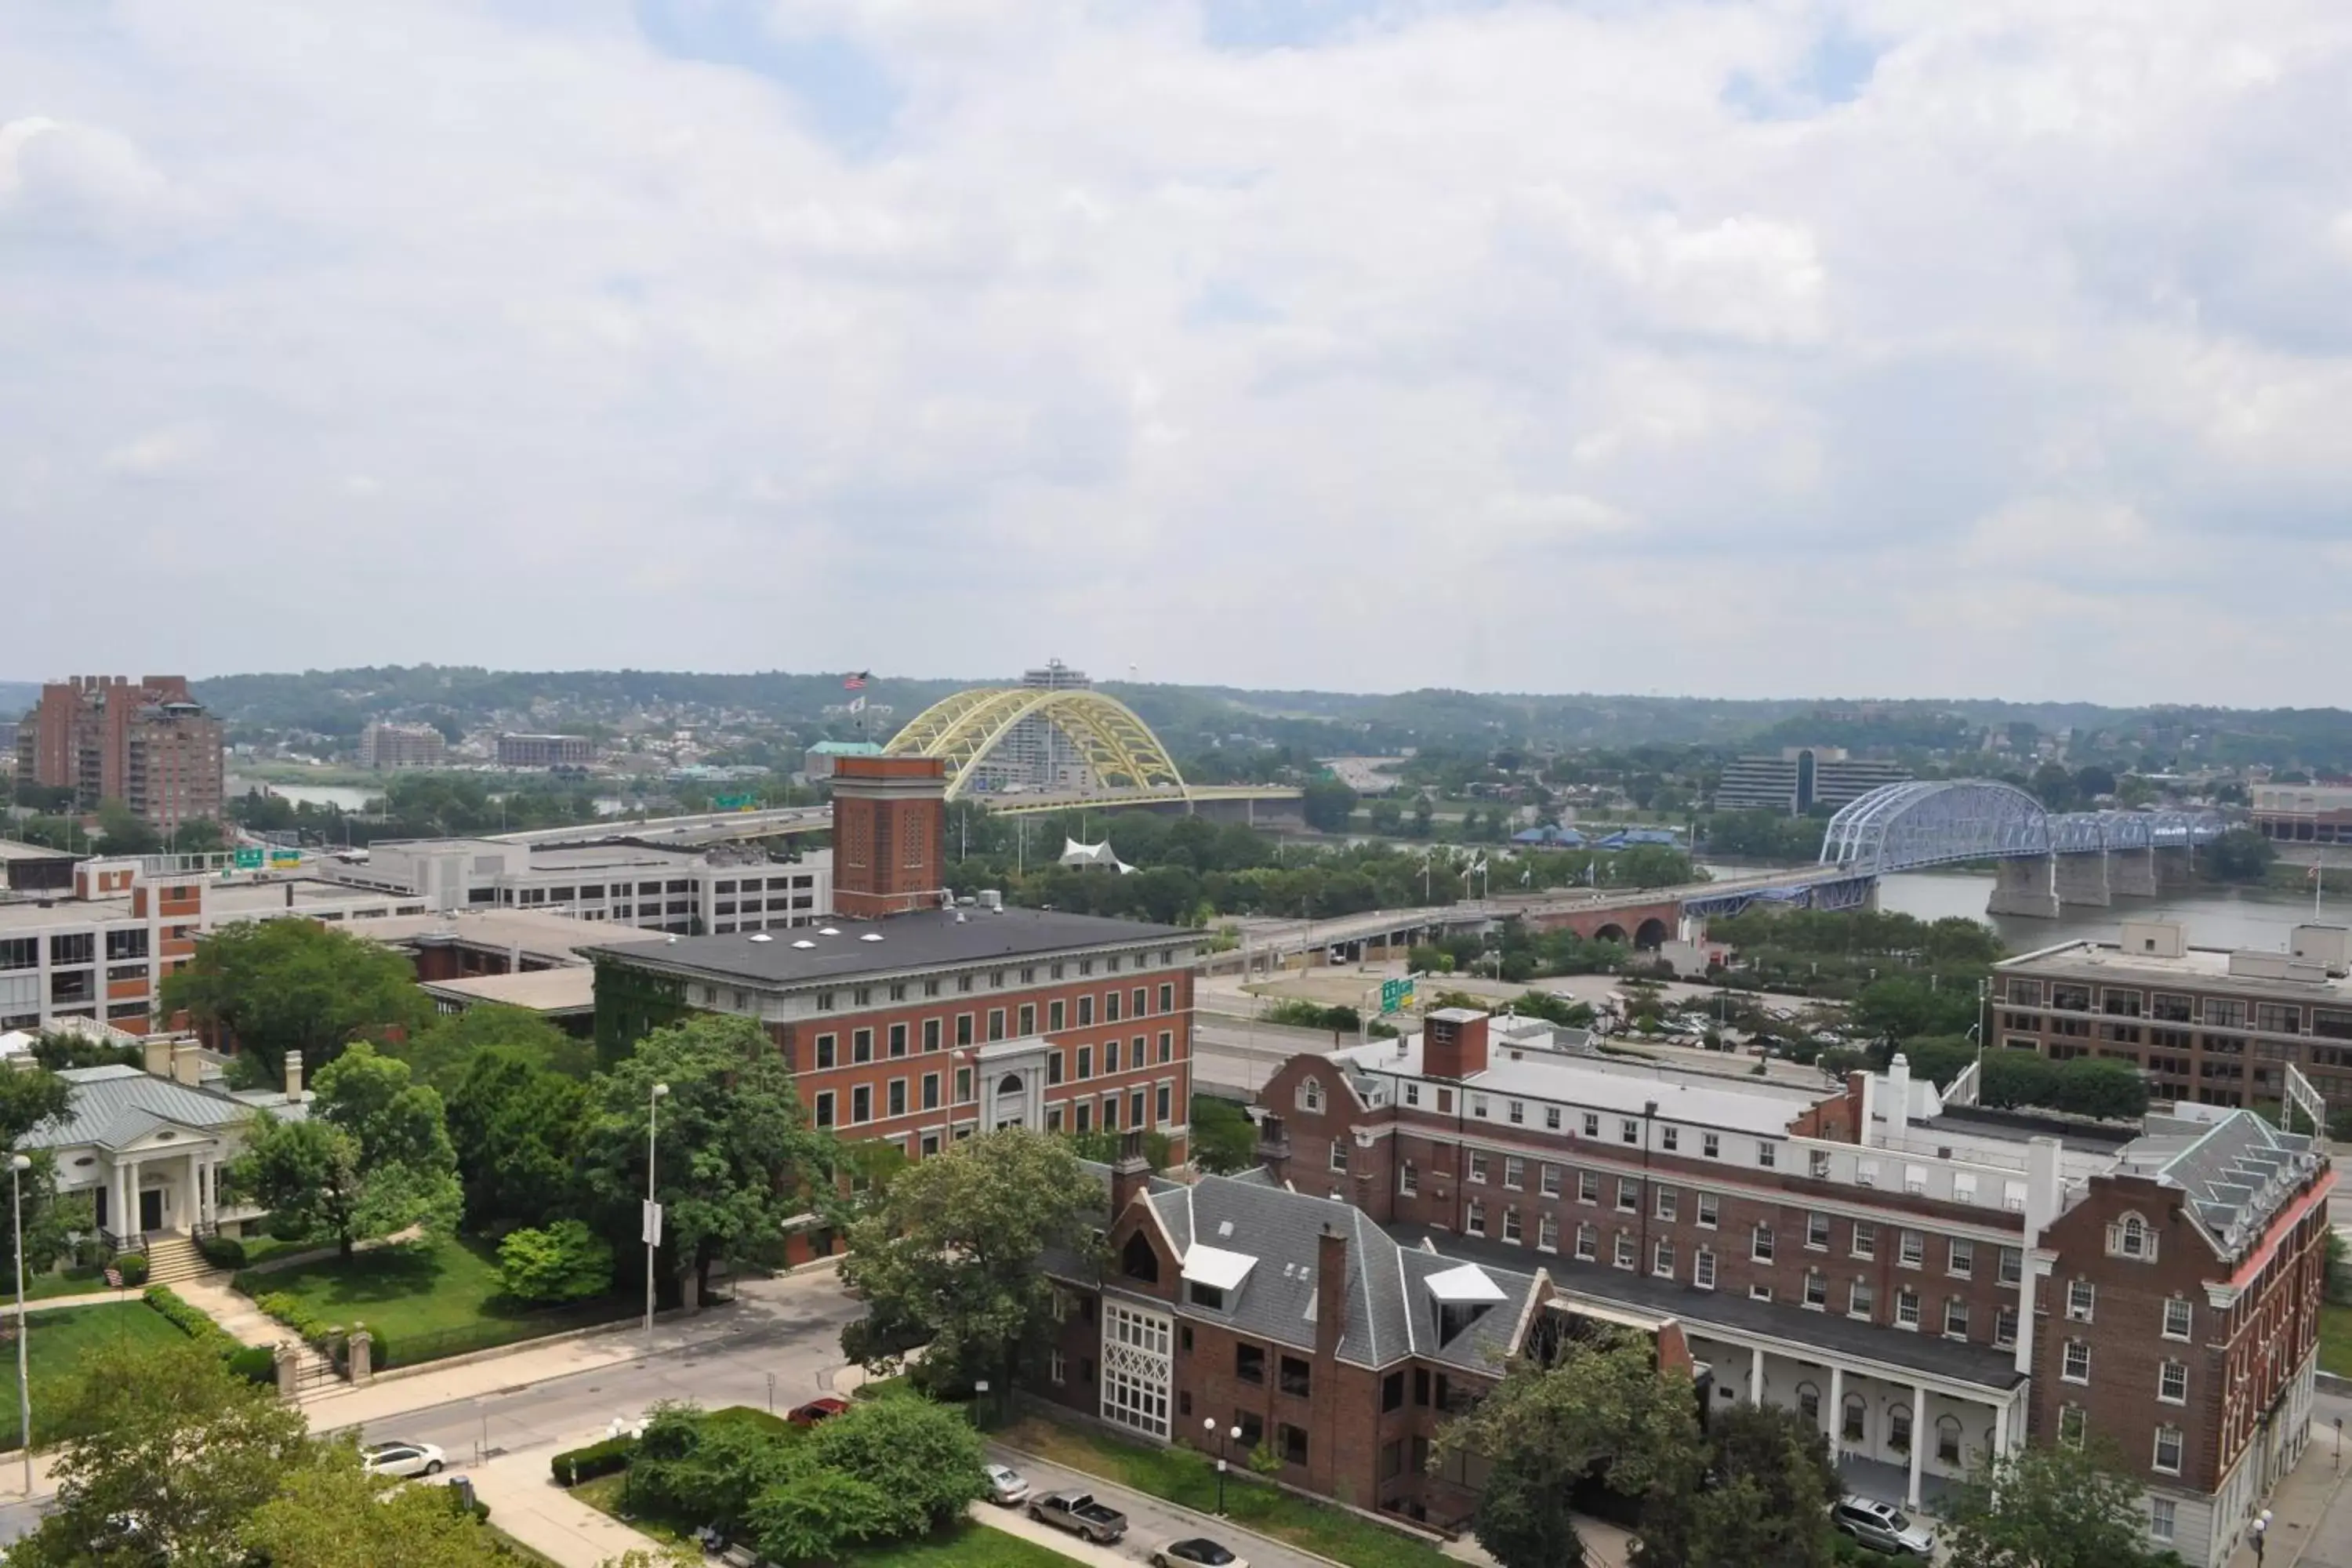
x=1931, y=1289
x=934, y=1020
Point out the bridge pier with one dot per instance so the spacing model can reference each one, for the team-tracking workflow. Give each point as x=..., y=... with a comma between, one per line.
x=2131, y=873
x=2083, y=880
x=2176, y=866
x=2025, y=886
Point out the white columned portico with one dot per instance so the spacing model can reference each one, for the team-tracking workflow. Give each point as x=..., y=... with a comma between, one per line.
x=1918, y=1440
x=1836, y=1413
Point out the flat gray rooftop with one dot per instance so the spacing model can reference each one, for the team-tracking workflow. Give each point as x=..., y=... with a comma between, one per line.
x=927, y=939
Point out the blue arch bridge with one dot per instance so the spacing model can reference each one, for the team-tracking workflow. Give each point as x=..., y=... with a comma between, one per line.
x=2044, y=859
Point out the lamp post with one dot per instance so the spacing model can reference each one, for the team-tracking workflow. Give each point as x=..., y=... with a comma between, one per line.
x=2261, y=1528
x=1234, y=1434
x=652, y=1209
x=17, y=1165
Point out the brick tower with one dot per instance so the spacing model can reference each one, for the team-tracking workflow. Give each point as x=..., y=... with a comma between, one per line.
x=889, y=835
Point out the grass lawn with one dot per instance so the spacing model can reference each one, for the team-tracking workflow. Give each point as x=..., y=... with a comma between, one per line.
x=62, y=1282
x=1181, y=1475
x=2335, y=1339
x=967, y=1546
x=58, y=1341
x=424, y=1299
x=604, y=1494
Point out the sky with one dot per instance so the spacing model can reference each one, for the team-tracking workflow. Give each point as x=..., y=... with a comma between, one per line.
x=1751, y=348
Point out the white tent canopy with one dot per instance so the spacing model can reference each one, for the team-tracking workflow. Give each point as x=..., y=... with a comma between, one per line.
x=1099, y=854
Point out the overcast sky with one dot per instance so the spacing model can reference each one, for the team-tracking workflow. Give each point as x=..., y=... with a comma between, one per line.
x=1793, y=347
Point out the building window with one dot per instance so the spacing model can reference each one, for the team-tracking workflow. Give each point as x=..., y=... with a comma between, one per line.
x=1310, y=1095
x=1629, y=1195
x=1511, y=1225
x=861, y=1045
x=1027, y=1020
x=2132, y=1238
x=1338, y=1153
x=1413, y=1094
x=1086, y=1010
x=1710, y=1145
x=2172, y=1382
x=1906, y=1309
x=1588, y=1186
x=1759, y=1292
x=1708, y=1202
x=2004, y=1325
x=1550, y=1180
x=824, y=1047
x=1669, y=1204
x=1962, y=1262
x=1817, y=1290
x=2012, y=1264
x=1956, y=1317
x=1809, y=1404
x=1137, y=1367
x=1086, y=1062
x=1587, y=1242
x=1866, y=1239
x=1670, y=1139
x=1592, y=1125
x=1624, y=1258
x=1947, y=1439
x=1817, y=1232
x=1476, y=1223
x=1294, y=1444
x=861, y=1103
x=1060, y=1368
x=1853, y=1420
x=1913, y=1251
x=824, y=1107
x=1703, y=1269
x=2177, y=1317
x=1478, y=1166
x=897, y=1097
x=1662, y=1260
x=2168, y=1451
x=1249, y=1364
x=1551, y=1117
x=930, y=1091
x=1516, y=1111
x=1547, y=1233
x=930, y=1033
x=1294, y=1375
x=2076, y=1366
x=2082, y=1296
x=1862, y=1300
x=1898, y=1428
x=1766, y=1154
x=2074, y=1421
x=1629, y=1131
x=1053, y=1016
x=1408, y=1179
x=1515, y=1172
x=2160, y=1519
x=1759, y=1247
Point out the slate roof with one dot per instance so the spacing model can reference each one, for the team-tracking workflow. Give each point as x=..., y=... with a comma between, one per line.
x=1698, y=1310
x=118, y=1105
x=1391, y=1313
x=2233, y=1174
x=926, y=940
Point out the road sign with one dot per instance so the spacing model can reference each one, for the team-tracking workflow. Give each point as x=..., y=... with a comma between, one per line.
x=280, y=858
x=1396, y=995
x=650, y=1223
x=733, y=802
x=248, y=857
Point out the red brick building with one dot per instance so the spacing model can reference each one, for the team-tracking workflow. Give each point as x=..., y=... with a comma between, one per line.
x=1901, y=1272
x=149, y=745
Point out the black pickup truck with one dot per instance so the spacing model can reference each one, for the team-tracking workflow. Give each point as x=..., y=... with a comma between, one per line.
x=1078, y=1513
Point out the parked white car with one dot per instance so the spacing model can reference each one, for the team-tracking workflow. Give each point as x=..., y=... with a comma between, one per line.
x=1006, y=1486
x=403, y=1459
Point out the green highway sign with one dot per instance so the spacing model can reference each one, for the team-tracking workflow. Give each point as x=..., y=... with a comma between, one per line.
x=733, y=802
x=249, y=858
x=1396, y=995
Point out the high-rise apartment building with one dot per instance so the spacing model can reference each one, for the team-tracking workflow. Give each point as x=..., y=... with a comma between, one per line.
x=1800, y=778
x=149, y=745
x=384, y=745
x=546, y=751
x=1035, y=754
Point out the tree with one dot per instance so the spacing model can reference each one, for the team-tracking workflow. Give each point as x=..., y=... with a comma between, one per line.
x=953, y=1254
x=274, y=986
x=442, y=1052
x=122, y=831
x=1224, y=1140
x=2241, y=855
x=565, y=1262
x=371, y=1158
x=1758, y=1497
x=1328, y=804
x=1603, y=1410
x=30, y=1099
x=333, y=1514
x=168, y=1455
x=737, y=1156
x=2060, y=1507
x=516, y=1127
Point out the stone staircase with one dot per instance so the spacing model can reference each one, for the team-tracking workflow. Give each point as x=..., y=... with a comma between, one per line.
x=172, y=1258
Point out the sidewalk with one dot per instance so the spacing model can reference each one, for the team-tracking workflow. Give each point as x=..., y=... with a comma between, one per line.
x=528, y=1505
x=246, y=1323
x=2310, y=1512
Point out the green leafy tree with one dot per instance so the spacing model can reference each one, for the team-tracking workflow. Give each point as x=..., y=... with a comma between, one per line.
x=30, y=1099
x=1758, y=1497
x=373, y=1157
x=884, y=1470
x=953, y=1255
x=1327, y=805
x=168, y=1456
x=517, y=1129
x=2241, y=855
x=446, y=1050
x=274, y=986
x=690, y=1466
x=565, y=1262
x=737, y=1156
x=2059, y=1507
x=813, y=1513
x=1425, y=816
x=1603, y=1410
x=1224, y=1140
x=333, y=1514
x=122, y=831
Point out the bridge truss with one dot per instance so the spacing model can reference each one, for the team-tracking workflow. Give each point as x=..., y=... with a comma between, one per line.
x=1908, y=826
x=1118, y=749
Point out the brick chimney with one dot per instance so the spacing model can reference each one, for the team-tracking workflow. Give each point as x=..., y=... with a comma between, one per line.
x=1130, y=1174
x=1454, y=1043
x=1330, y=1291
x=889, y=835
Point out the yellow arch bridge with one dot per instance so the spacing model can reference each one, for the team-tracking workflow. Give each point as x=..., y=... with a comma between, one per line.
x=1125, y=760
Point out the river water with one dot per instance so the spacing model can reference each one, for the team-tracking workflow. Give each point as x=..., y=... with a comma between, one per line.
x=2215, y=917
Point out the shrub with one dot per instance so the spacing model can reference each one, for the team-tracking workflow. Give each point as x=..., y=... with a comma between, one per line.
x=189, y=1320
x=564, y=1262
x=608, y=1458
x=222, y=1251
x=133, y=1266
x=256, y=1363
x=925, y=1457
x=702, y=1467
x=295, y=1313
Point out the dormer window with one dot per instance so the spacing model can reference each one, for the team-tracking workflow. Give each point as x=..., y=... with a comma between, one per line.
x=1207, y=1296
x=2131, y=1238
x=1137, y=1260
x=1310, y=1095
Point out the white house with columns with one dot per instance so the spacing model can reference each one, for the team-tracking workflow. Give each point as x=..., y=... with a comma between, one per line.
x=150, y=1144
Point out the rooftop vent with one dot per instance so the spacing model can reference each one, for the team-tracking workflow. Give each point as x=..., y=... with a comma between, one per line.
x=762, y=936
x=828, y=931
x=804, y=943
x=871, y=936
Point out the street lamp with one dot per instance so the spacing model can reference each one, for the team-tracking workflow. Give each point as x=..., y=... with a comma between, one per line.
x=652, y=1209
x=2261, y=1527
x=17, y=1165
x=1209, y=1425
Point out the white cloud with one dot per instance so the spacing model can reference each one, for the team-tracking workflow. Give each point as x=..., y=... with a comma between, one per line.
x=2005, y=340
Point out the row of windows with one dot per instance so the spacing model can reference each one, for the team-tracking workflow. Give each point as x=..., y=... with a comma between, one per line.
x=903, y=1097
x=825, y=1050
x=2172, y=1377
x=1138, y=1001
x=2173, y=1007
x=2073, y=1426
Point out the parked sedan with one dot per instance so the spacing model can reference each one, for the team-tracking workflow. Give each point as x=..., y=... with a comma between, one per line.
x=816, y=1410
x=403, y=1459
x=1006, y=1486
x=1198, y=1552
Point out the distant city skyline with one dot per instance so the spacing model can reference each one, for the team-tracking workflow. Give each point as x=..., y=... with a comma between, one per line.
x=1838, y=347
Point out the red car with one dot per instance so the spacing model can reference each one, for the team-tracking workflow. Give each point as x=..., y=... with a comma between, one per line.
x=816, y=1410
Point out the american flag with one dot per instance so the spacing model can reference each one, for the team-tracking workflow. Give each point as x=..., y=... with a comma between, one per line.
x=856, y=681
